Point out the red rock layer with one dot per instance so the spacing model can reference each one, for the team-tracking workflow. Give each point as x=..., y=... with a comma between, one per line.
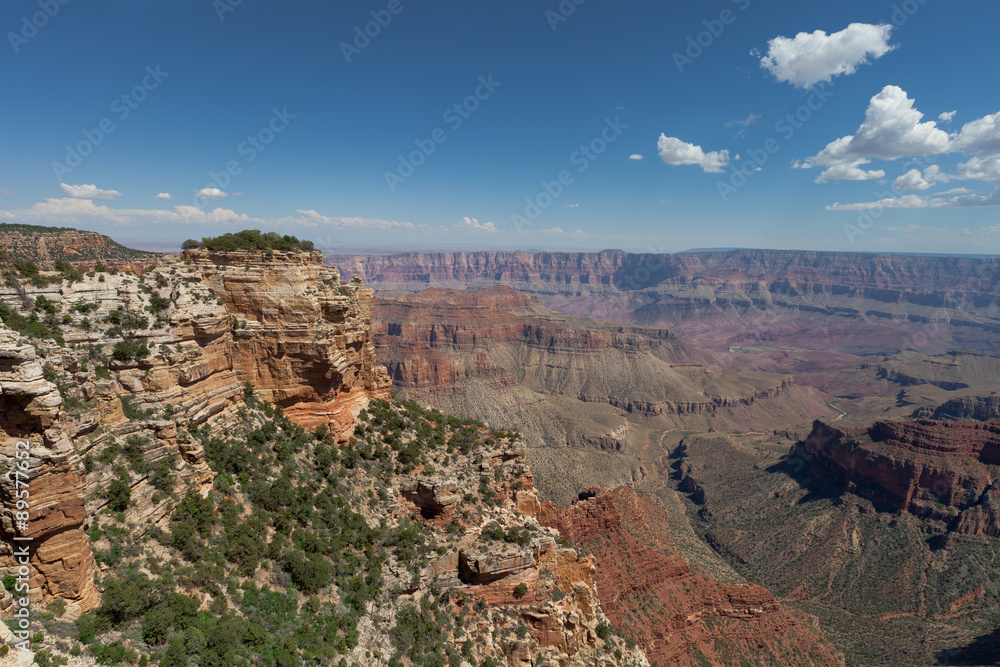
x=916, y=466
x=677, y=617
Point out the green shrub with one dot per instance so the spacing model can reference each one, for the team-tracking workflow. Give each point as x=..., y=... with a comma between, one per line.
x=252, y=239
x=118, y=495
x=128, y=350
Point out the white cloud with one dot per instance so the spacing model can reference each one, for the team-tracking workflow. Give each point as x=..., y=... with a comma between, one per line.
x=572, y=206
x=636, y=156
x=164, y=195
x=471, y=224
x=809, y=58
x=313, y=219
x=89, y=192
x=892, y=129
x=211, y=193
x=980, y=169
x=7, y=193
x=981, y=137
x=676, y=152
x=964, y=199
x=559, y=231
x=947, y=116
x=747, y=122
x=912, y=180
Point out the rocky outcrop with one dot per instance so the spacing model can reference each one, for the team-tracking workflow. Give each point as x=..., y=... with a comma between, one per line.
x=978, y=408
x=521, y=579
x=195, y=330
x=300, y=337
x=942, y=471
x=46, y=246
x=38, y=457
x=677, y=616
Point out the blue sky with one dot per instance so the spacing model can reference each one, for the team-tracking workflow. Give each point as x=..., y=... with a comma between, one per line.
x=275, y=116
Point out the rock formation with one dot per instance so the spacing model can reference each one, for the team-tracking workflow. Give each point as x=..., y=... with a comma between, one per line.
x=281, y=322
x=48, y=245
x=850, y=301
x=491, y=353
x=942, y=471
x=301, y=338
x=677, y=616
x=62, y=564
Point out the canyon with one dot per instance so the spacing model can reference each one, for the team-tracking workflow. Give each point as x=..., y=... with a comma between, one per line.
x=854, y=302
x=713, y=458
x=878, y=343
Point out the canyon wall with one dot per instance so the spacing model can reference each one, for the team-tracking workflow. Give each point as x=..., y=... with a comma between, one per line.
x=677, y=616
x=942, y=471
x=857, y=302
x=194, y=332
x=500, y=355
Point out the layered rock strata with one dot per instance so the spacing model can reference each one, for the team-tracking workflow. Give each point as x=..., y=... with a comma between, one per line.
x=677, y=616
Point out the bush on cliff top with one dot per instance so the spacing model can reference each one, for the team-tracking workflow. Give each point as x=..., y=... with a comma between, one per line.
x=250, y=239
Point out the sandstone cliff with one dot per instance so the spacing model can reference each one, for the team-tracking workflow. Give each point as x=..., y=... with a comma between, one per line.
x=941, y=471
x=219, y=321
x=62, y=564
x=677, y=616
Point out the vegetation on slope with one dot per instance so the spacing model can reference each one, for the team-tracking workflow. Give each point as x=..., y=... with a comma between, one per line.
x=292, y=549
x=38, y=243
x=250, y=239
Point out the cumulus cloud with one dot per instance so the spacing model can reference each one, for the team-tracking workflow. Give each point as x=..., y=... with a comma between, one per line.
x=912, y=180
x=636, y=156
x=82, y=213
x=808, y=58
x=89, y=192
x=471, y=224
x=676, y=152
x=164, y=195
x=892, y=129
x=572, y=206
x=981, y=137
x=7, y=193
x=211, y=193
x=947, y=116
x=979, y=169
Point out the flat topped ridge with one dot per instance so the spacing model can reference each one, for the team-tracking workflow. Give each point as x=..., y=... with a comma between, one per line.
x=264, y=254
x=939, y=437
